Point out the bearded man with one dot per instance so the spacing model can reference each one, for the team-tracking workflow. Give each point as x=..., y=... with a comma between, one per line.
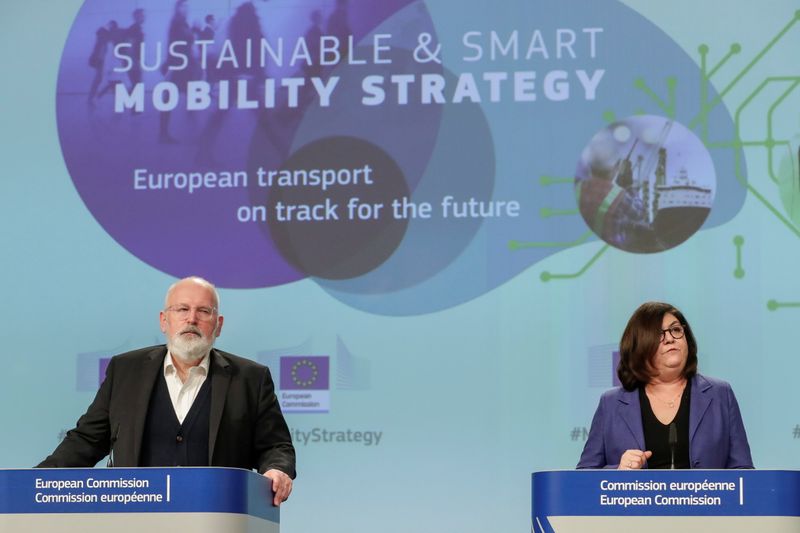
x=186, y=403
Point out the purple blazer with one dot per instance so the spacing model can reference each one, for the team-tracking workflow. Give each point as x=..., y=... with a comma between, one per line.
x=717, y=438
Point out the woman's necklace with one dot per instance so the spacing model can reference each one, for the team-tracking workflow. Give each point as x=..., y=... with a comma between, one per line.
x=671, y=401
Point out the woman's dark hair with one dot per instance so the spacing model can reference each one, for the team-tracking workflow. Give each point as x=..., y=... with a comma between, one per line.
x=641, y=339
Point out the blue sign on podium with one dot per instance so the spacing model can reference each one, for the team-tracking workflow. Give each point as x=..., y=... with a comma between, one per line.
x=136, y=499
x=666, y=500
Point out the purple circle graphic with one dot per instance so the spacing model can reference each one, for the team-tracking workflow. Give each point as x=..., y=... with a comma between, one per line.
x=157, y=124
x=345, y=226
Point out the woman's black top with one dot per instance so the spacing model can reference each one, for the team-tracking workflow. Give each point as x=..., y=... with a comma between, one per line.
x=656, y=434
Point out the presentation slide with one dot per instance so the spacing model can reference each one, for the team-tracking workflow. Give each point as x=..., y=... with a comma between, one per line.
x=430, y=219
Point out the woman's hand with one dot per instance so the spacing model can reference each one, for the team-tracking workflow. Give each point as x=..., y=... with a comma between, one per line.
x=634, y=459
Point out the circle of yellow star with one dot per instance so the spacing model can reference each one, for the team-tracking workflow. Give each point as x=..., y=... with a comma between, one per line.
x=304, y=382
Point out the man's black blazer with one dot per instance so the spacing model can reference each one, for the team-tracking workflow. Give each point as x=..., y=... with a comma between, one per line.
x=247, y=428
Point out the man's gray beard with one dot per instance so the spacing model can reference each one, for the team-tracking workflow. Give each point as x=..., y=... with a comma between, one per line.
x=189, y=349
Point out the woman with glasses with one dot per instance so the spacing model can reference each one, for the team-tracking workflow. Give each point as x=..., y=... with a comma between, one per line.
x=665, y=414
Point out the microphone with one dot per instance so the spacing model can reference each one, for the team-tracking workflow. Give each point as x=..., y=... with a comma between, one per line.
x=110, y=463
x=673, y=442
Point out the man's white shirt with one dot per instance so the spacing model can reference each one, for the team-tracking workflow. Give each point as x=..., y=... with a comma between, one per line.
x=183, y=394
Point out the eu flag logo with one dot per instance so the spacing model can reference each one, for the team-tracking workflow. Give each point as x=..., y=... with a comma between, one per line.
x=305, y=384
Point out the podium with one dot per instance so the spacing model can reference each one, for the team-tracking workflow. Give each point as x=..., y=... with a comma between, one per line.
x=123, y=500
x=674, y=501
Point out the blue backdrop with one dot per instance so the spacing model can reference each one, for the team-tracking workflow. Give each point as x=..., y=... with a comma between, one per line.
x=501, y=186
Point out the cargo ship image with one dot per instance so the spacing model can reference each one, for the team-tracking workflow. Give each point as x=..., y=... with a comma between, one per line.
x=681, y=207
x=675, y=205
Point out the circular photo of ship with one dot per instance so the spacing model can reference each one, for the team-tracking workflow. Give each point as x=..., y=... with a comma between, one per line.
x=645, y=184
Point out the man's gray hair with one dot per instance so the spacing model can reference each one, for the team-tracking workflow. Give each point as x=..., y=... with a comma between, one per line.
x=195, y=279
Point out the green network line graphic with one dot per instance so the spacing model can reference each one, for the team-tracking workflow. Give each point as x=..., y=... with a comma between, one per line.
x=547, y=276
x=705, y=78
x=554, y=180
x=774, y=305
x=700, y=122
x=735, y=48
x=769, y=143
x=547, y=212
x=667, y=107
x=738, y=272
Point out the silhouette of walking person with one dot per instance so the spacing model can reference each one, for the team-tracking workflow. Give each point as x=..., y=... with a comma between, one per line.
x=134, y=34
x=244, y=27
x=176, y=69
x=312, y=36
x=207, y=33
x=209, y=30
x=97, y=59
x=339, y=27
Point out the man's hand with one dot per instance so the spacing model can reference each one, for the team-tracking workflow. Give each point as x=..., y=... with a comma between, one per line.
x=281, y=485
